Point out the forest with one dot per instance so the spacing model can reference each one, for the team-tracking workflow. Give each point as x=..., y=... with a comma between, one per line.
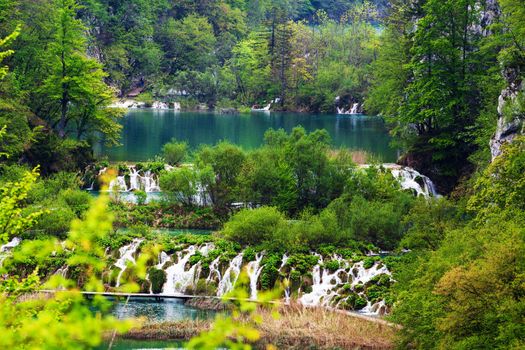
x=235, y=246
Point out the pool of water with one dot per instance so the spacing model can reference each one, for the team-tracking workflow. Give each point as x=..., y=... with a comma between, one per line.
x=167, y=310
x=127, y=344
x=146, y=130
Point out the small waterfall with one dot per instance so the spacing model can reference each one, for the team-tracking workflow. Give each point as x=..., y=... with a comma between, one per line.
x=378, y=308
x=149, y=182
x=408, y=178
x=362, y=276
x=254, y=271
x=118, y=184
x=353, y=110
x=231, y=274
x=160, y=105
x=4, y=249
x=178, y=279
x=126, y=255
x=10, y=245
x=163, y=259
x=214, y=270
x=324, y=285
x=134, y=179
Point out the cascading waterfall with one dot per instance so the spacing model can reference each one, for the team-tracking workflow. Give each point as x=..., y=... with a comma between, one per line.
x=214, y=270
x=324, y=284
x=363, y=276
x=177, y=278
x=163, y=259
x=147, y=182
x=118, y=184
x=254, y=270
x=231, y=274
x=408, y=178
x=4, y=250
x=353, y=110
x=328, y=288
x=127, y=255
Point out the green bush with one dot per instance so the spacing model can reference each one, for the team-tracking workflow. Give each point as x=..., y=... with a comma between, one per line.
x=157, y=278
x=253, y=227
x=174, y=152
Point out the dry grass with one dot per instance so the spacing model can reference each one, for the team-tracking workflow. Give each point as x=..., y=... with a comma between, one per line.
x=296, y=328
x=358, y=156
x=300, y=328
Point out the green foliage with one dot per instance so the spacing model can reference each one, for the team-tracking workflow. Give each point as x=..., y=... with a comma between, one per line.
x=502, y=185
x=174, y=152
x=12, y=197
x=157, y=278
x=254, y=227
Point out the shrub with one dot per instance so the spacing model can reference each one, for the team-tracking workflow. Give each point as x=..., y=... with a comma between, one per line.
x=140, y=197
x=174, y=152
x=253, y=227
x=157, y=278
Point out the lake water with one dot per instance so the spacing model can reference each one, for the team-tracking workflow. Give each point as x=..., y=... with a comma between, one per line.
x=167, y=310
x=146, y=130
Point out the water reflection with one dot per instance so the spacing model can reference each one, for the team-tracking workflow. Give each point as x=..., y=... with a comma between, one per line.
x=167, y=310
x=145, y=131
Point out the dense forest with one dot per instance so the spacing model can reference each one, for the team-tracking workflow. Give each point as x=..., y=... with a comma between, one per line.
x=294, y=219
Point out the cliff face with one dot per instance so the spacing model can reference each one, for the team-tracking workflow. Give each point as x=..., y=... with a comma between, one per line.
x=511, y=111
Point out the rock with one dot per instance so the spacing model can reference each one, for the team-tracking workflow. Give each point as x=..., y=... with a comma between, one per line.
x=228, y=111
x=507, y=129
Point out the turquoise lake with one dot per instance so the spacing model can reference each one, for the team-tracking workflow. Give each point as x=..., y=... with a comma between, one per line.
x=146, y=130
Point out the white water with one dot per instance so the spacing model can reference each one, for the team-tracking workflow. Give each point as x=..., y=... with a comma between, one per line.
x=408, y=179
x=264, y=109
x=214, y=270
x=378, y=308
x=353, y=110
x=127, y=255
x=365, y=275
x=231, y=274
x=177, y=278
x=254, y=270
x=8, y=247
x=324, y=285
x=147, y=182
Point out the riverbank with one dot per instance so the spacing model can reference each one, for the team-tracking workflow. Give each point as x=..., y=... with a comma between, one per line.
x=296, y=328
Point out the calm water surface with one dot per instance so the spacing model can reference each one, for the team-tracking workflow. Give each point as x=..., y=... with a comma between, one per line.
x=167, y=310
x=145, y=131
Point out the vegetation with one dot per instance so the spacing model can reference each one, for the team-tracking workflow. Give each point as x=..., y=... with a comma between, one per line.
x=434, y=69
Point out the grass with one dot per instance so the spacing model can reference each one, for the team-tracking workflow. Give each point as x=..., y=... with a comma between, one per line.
x=296, y=328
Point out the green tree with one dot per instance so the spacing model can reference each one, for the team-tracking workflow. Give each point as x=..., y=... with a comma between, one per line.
x=174, y=152
x=73, y=90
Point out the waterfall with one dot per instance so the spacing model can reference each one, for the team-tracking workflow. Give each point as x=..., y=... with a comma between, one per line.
x=163, y=259
x=378, y=308
x=118, y=184
x=362, y=275
x=134, y=179
x=8, y=247
x=214, y=270
x=408, y=180
x=126, y=255
x=355, y=108
x=231, y=274
x=160, y=105
x=324, y=285
x=149, y=182
x=178, y=279
x=254, y=271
